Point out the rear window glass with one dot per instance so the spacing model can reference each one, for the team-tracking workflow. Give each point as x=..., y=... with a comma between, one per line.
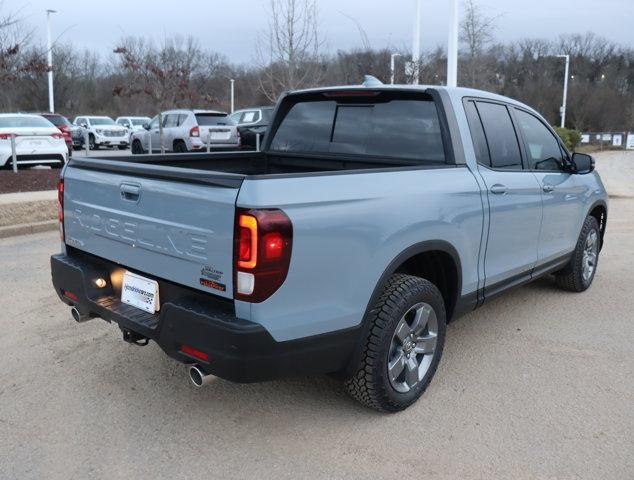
x=24, y=121
x=57, y=120
x=404, y=128
x=207, y=119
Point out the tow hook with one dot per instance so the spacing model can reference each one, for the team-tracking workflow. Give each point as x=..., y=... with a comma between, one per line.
x=134, y=338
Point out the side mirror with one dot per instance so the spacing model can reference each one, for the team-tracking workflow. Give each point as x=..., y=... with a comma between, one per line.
x=84, y=125
x=582, y=163
x=146, y=126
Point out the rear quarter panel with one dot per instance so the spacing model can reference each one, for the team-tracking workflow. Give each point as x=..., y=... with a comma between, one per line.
x=347, y=229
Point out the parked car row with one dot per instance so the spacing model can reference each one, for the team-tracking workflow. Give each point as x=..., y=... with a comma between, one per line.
x=184, y=130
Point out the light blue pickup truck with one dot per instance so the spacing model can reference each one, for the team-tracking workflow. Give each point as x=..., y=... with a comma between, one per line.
x=373, y=216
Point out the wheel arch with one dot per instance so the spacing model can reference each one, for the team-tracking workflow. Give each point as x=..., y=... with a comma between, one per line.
x=416, y=260
x=599, y=210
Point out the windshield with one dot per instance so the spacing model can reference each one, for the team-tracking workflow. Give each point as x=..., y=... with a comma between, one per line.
x=383, y=125
x=57, y=120
x=208, y=119
x=140, y=121
x=24, y=121
x=101, y=121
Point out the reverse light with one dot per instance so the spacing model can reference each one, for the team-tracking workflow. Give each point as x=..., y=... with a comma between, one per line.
x=100, y=282
x=194, y=132
x=263, y=243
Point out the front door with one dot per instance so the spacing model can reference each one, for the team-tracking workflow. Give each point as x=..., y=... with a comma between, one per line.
x=562, y=192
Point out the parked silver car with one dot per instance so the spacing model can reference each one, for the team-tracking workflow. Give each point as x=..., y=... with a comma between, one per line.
x=188, y=131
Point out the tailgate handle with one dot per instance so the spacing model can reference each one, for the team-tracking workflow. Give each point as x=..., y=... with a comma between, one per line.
x=130, y=192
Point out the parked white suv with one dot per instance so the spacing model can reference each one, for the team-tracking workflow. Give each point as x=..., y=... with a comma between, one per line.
x=188, y=131
x=103, y=132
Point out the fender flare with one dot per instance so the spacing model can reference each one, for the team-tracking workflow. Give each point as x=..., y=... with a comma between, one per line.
x=599, y=203
x=409, y=252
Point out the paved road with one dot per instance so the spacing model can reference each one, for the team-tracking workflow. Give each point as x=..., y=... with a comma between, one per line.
x=537, y=384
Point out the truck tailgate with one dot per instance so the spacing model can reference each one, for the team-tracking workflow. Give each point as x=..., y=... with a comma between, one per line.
x=175, y=230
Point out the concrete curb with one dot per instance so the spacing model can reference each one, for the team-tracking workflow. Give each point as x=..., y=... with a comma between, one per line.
x=28, y=228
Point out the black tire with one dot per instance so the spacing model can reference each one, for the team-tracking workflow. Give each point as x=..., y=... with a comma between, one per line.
x=573, y=277
x=180, y=146
x=137, y=148
x=371, y=383
x=91, y=142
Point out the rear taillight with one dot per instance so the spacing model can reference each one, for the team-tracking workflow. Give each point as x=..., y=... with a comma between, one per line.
x=57, y=135
x=194, y=132
x=60, y=207
x=5, y=136
x=263, y=243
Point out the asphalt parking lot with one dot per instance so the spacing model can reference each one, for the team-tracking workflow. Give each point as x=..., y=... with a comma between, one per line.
x=537, y=384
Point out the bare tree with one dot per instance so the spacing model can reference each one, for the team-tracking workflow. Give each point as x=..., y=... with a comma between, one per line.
x=17, y=58
x=166, y=74
x=476, y=31
x=289, y=52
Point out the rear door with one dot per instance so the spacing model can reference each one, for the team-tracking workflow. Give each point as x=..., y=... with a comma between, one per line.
x=181, y=232
x=514, y=195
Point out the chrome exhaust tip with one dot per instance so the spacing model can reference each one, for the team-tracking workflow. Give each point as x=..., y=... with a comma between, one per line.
x=79, y=316
x=198, y=377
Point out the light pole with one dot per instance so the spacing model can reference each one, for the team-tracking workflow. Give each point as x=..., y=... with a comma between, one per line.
x=51, y=101
x=392, y=57
x=452, y=45
x=416, y=46
x=562, y=110
x=232, y=92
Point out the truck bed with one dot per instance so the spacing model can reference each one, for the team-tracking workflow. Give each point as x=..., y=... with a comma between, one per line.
x=238, y=164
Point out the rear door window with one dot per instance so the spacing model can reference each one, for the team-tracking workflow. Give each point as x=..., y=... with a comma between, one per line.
x=504, y=148
x=477, y=134
x=386, y=125
x=171, y=120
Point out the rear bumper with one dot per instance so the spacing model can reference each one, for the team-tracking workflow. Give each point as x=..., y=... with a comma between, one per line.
x=239, y=350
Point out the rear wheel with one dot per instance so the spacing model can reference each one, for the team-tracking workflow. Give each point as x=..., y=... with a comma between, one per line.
x=577, y=276
x=403, y=345
x=180, y=146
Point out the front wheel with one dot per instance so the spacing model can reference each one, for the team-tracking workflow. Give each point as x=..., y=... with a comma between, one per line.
x=402, y=347
x=137, y=148
x=577, y=276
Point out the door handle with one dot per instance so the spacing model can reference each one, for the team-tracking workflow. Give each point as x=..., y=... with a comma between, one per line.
x=548, y=188
x=130, y=192
x=499, y=189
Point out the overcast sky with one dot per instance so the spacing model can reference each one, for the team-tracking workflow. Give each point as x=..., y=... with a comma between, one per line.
x=231, y=27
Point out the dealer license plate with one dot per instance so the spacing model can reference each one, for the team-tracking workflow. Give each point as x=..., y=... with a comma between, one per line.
x=140, y=292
